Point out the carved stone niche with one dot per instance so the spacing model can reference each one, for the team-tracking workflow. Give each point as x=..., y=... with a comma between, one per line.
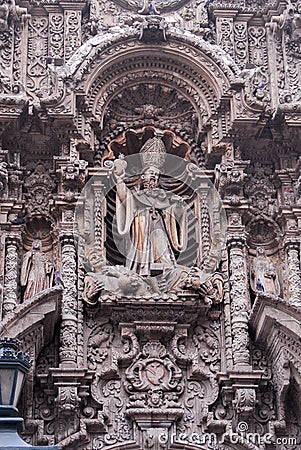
x=178, y=210
x=263, y=232
x=40, y=227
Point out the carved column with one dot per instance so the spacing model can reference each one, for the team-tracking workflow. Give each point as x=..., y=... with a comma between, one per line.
x=20, y=51
x=224, y=30
x=56, y=31
x=276, y=64
x=204, y=219
x=240, y=300
x=240, y=30
x=98, y=214
x=68, y=348
x=72, y=21
x=293, y=273
x=11, y=277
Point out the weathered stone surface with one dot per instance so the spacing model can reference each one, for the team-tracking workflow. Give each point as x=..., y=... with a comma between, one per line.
x=150, y=159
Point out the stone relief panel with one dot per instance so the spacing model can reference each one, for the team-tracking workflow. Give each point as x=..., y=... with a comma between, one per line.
x=261, y=193
x=56, y=35
x=138, y=378
x=39, y=186
x=37, y=77
x=285, y=33
x=148, y=336
x=104, y=15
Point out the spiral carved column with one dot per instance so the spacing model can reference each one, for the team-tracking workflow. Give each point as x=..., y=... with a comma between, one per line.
x=11, y=277
x=240, y=301
x=68, y=349
x=293, y=273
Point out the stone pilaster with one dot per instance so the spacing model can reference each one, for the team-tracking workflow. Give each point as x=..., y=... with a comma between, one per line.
x=99, y=226
x=204, y=219
x=11, y=277
x=293, y=272
x=224, y=30
x=240, y=300
x=72, y=29
x=68, y=348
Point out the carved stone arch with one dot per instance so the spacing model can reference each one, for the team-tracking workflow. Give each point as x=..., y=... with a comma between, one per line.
x=103, y=50
x=42, y=310
x=185, y=73
x=107, y=66
x=186, y=68
x=263, y=232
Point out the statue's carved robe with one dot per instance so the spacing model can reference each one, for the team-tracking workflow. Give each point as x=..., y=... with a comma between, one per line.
x=36, y=273
x=263, y=271
x=157, y=228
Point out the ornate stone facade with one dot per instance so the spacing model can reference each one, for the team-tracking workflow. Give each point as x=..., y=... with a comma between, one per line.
x=150, y=221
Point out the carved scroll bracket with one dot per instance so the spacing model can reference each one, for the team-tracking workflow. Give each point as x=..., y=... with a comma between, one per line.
x=239, y=388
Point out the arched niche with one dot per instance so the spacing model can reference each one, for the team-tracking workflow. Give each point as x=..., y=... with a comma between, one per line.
x=263, y=232
x=117, y=64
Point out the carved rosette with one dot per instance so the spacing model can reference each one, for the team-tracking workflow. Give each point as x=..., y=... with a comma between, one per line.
x=68, y=349
x=240, y=301
x=293, y=273
x=11, y=277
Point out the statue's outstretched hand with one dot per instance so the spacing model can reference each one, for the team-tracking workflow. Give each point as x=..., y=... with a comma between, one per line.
x=120, y=166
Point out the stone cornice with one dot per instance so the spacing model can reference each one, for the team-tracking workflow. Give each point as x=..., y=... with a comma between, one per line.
x=270, y=311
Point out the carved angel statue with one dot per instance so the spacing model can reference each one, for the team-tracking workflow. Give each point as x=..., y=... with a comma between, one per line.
x=37, y=270
x=264, y=277
x=155, y=219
